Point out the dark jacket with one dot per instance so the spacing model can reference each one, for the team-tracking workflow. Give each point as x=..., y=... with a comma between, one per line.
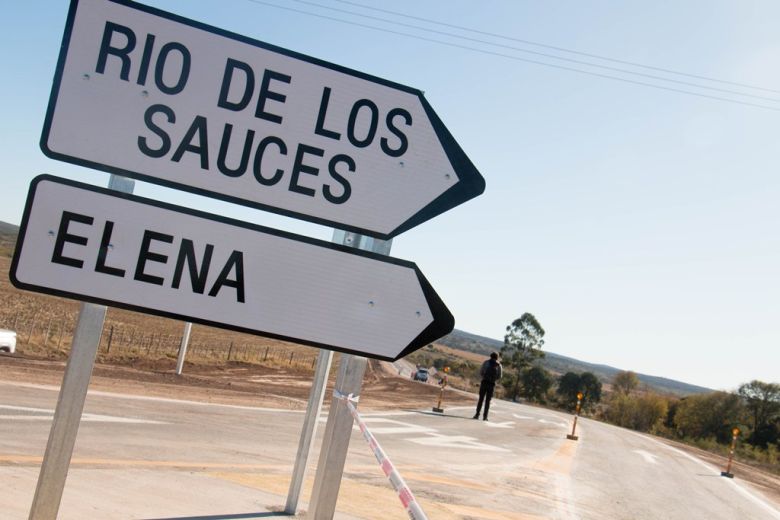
x=491, y=371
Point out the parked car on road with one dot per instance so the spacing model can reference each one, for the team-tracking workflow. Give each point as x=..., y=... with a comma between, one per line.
x=421, y=375
x=7, y=341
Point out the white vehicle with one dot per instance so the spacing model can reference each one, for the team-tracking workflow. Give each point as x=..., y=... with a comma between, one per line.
x=7, y=341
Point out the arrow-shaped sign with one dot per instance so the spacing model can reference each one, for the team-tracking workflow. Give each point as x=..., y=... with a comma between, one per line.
x=143, y=93
x=90, y=243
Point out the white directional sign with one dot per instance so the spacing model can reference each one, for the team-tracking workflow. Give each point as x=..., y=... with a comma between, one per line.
x=93, y=244
x=146, y=94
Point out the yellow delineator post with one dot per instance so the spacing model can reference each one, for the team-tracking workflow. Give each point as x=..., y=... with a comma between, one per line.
x=438, y=408
x=734, y=435
x=571, y=436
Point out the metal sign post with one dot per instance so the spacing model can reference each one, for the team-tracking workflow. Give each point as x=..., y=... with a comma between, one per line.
x=185, y=339
x=309, y=429
x=335, y=442
x=338, y=429
x=318, y=385
x=70, y=404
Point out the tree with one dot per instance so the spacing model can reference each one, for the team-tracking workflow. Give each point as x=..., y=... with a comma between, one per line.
x=763, y=402
x=571, y=383
x=522, y=346
x=643, y=413
x=568, y=386
x=625, y=382
x=591, y=388
x=708, y=415
x=536, y=382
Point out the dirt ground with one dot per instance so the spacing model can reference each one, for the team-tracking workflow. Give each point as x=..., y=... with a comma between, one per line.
x=256, y=385
x=237, y=383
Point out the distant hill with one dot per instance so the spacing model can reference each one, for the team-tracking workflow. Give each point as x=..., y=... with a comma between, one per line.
x=556, y=363
x=8, y=234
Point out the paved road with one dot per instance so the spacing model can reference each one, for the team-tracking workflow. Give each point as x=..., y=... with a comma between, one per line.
x=151, y=458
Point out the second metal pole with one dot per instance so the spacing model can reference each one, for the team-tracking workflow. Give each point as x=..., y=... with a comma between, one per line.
x=185, y=339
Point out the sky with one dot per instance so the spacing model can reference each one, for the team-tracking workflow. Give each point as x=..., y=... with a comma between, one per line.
x=631, y=204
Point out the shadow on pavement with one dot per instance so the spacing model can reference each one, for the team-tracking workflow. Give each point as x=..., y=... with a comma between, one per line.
x=228, y=517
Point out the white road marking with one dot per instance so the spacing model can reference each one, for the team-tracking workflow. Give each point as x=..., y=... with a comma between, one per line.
x=454, y=441
x=432, y=436
x=521, y=416
x=649, y=457
x=451, y=408
x=160, y=399
x=556, y=423
x=507, y=424
x=47, y=415
x=396, y=426
x=738, y=487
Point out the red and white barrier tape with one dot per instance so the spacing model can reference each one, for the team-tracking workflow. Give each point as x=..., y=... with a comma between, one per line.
x=411, y=505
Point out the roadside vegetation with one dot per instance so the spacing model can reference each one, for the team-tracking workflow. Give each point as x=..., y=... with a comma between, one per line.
x=704, y=420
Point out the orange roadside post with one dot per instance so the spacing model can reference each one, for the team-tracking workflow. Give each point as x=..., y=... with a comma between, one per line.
x=571, y=436
x=438, y=408
x=734, y=435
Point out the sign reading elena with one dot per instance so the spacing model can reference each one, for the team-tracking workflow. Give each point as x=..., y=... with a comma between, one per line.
x=98, y=245
x=146, y=94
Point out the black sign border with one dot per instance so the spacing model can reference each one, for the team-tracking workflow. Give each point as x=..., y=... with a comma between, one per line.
x=443, y=322
x=470, y=183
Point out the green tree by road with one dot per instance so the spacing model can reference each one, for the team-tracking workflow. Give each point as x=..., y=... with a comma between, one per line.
x=523, y=344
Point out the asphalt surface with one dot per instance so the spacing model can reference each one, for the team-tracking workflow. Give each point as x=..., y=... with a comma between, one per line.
x=151, y=458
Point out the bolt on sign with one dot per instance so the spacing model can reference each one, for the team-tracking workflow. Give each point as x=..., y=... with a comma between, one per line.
x=94, y=244
x=175, y=102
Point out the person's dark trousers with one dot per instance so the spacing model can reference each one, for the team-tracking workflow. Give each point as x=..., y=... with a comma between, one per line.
x=485, y=395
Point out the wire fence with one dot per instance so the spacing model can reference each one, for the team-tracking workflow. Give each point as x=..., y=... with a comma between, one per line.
x=55, y=333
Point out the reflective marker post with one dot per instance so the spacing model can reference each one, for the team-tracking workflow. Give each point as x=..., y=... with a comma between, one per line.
x=571, y=436
x=734, y=435
x=438, y=408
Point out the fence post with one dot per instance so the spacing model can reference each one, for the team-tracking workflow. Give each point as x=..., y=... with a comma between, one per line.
x=230, y=350
x=62, y=331
x=266, y=354
x=48, y=330
x=32, y=326
x=110, y=337
x=291, y=358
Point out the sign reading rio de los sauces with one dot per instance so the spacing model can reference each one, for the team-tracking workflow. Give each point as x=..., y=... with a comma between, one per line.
x=171, y=101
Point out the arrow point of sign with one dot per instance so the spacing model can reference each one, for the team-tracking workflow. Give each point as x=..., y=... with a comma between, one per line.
x=443, y=321
x=470, y=182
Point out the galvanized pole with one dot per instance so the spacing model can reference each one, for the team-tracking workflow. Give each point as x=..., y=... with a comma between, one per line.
x=316, y=397
x=335, y=443
x=70, y=404
x=309, y=431
x=338, y=429
x=185, y=340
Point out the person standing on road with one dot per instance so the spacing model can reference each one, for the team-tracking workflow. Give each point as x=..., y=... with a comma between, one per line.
x=490, y=372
